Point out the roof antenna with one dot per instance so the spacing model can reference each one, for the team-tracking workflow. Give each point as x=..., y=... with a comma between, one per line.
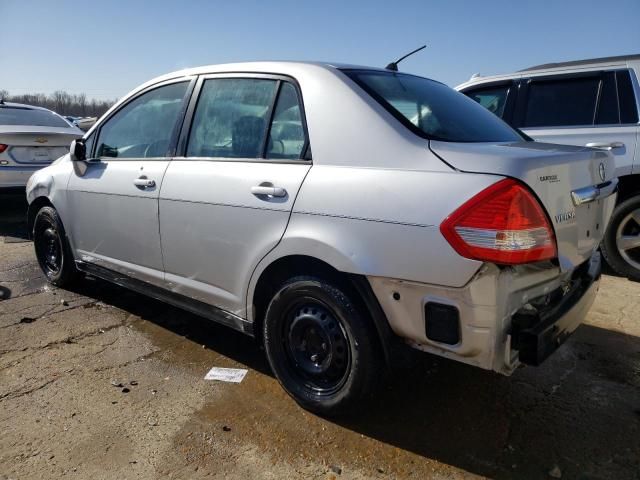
x=393, y=66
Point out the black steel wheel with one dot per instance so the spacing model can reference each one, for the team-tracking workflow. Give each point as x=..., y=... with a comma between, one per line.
x=52, y=249
x=317, y=346
x=321, y=345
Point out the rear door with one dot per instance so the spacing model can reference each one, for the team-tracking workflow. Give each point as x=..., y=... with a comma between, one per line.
x=114, y=195
x=226, y=200
x=596, y=109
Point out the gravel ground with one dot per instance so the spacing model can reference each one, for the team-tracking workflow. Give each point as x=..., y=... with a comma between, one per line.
x=103, y=383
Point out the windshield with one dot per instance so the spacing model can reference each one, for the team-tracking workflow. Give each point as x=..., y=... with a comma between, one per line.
x=433, y=110
x=28, y=116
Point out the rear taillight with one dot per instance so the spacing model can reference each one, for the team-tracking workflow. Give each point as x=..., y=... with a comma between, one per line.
x=502, y=224
x=3, y=147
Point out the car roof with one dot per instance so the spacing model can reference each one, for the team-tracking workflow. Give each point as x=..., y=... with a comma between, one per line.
x=574, y=66
x=281, y=67
x=586, y=62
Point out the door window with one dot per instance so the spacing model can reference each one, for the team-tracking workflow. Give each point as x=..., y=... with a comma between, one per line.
x=286, y=137
x=144, y=127
x=628, y=108
x=231, y=118
x=608, y=105
x=493, y=99
x=561, y=102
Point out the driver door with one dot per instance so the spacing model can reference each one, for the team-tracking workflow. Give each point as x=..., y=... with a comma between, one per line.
x=114, y=195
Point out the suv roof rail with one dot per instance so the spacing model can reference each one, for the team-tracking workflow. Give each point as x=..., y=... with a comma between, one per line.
x=582, y=62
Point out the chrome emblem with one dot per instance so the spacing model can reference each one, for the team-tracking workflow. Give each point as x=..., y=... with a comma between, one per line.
x=41, y=140
x=564, y=217
x=602, y=171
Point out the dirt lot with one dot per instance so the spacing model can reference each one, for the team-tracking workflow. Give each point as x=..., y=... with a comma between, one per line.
x=101, y=383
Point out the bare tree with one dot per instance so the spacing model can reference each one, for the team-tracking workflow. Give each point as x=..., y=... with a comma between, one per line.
x=62, y=102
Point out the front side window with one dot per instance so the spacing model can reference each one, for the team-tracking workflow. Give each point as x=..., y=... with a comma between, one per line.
x=556, y=103
x=144, y=127
x=493, y=99
x=231, y=118
x=433, y=110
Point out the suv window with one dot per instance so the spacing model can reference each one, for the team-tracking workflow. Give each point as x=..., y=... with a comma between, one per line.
x=628, y=107
x=143, y=128
x=231, y=118
x=607, y=113
x=286, y=137
x=433, y=110
x=554, y=103
x=493, y=99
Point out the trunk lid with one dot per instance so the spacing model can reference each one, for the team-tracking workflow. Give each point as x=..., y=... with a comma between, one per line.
x=552, y=172
x=36, y=144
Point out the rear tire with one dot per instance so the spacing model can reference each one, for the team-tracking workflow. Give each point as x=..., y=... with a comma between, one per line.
x=625, y=222
x=321, y=345
x=52, y=248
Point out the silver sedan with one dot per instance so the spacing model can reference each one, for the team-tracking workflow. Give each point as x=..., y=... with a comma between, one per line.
x=337, y=213
x=30, y=138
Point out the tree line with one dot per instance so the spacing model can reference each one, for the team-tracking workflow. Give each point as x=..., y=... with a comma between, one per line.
x=61, y=102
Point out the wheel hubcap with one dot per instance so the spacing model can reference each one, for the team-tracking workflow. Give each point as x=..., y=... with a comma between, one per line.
x=317, y=346
x=628, y=239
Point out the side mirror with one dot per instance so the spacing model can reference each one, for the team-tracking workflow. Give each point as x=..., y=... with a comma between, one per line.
x=78, y=151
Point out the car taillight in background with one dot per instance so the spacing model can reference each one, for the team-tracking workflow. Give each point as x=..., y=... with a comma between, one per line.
x=503, y=224
x=3, y=147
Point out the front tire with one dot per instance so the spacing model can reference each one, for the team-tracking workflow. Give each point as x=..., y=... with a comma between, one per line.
x=52, y=248
x=321, y=345
x=621, y=243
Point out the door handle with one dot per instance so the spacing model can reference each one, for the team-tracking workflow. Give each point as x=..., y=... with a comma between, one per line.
x=605, y=145
x=270, y=191
x=144, y=182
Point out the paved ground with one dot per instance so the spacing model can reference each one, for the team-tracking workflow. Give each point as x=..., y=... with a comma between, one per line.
x=577, y=416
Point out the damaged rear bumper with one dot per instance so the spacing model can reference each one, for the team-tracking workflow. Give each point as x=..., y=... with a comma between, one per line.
x=545, y=323
x=504, y=317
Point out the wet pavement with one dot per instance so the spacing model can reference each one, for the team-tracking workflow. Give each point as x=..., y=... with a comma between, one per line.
x=100, y=382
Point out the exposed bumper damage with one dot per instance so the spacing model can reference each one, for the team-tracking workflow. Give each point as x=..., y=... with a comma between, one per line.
x=503, y=316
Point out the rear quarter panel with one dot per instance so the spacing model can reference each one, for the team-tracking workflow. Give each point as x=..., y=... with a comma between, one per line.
x=380, y=222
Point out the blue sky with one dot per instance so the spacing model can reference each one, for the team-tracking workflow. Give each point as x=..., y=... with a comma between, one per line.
x=107, y=48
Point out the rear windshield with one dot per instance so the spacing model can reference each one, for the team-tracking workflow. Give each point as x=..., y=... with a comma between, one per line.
x=28, y=116
x=433, y=110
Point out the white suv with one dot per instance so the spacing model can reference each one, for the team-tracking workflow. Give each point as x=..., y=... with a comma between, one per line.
x=587, y=102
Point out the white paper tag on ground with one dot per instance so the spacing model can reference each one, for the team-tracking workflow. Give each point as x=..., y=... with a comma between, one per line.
x=235, y=375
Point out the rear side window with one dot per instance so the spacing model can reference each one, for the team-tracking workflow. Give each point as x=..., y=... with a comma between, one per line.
x=493, y=99
x=433, y=110
x=566, y=102
x=231, y=118
x=29, y=116
x=143, y=128
x=608, y=113
x=286, y=137
x=628, y=106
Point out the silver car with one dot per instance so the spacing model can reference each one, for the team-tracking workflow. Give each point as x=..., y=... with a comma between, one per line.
x=30, y=138
x=336, y=213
